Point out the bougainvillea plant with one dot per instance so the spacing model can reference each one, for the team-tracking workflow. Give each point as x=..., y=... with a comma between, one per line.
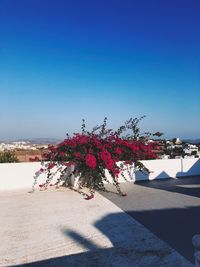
x=90, y=154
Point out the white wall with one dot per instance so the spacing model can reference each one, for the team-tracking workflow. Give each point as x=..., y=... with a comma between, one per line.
x=170, y=168
x=20, y=175
x=17, y=175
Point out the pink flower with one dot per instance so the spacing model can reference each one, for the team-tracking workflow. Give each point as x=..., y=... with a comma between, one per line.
x=77, y=154
x=128, y=162
x=118, y=151
x=52, y=148
x=91, y=161
x=89, y=197
x=94, y=153
x=51, y=165
x=62, y=154
x=116, y=172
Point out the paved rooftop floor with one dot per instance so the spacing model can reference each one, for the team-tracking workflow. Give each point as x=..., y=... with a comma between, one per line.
x=60, y=228
x=169, y=208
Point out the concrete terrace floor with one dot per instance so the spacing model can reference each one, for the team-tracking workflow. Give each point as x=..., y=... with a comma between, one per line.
x=61, y=228
x=168, y=208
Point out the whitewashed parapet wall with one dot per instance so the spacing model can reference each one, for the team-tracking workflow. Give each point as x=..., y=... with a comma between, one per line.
x=169, y=168
x=20, y=175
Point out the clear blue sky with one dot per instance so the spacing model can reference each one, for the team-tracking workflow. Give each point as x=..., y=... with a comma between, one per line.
x=64, y=60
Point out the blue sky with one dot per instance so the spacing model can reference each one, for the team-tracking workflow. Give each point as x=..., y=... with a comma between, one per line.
x=64, y=60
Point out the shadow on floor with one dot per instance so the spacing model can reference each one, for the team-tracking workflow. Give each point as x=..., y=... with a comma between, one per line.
x=189, y=186
x=174, y=226
x=133, y=246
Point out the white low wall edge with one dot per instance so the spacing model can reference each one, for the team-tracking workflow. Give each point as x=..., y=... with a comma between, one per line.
x=20, y=175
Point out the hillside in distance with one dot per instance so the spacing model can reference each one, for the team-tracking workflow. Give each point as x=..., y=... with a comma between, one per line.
x=192, y=141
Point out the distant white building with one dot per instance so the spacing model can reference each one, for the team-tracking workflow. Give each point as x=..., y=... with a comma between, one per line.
x=177, y=141
x=20, y=145
x=190, y=148
x=164, y=156
x=189, y=156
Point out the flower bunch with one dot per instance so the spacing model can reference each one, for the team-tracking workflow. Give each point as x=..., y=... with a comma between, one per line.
x=92, y=153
